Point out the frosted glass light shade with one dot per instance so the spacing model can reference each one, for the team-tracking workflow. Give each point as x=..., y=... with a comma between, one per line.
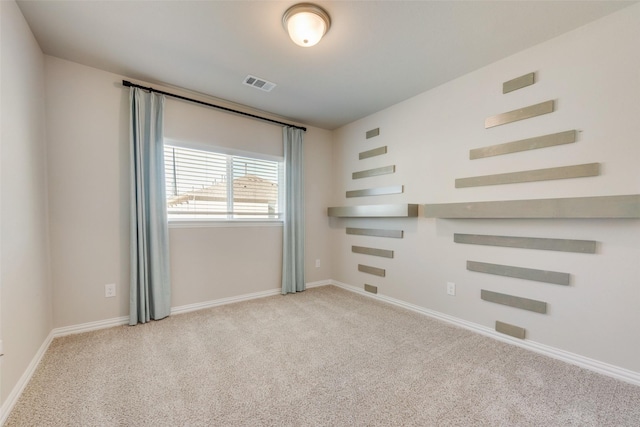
x=306, y=23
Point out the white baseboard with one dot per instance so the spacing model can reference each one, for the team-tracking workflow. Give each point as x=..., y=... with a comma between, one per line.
x=124, y=320
x=90, y=326
x=223, y=301
x=555, y=353
x=11, y=400
x=319, y=283
x=230, y=300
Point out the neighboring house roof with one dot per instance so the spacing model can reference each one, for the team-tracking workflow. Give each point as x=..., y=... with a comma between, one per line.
x=246, y=189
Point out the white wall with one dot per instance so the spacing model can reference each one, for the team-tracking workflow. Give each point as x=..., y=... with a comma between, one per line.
x=210, y=263
x=24, y=265
x=592, y=73
x=87, y=119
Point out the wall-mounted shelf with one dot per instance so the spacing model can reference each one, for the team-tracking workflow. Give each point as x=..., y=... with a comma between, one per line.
x=397, y=234
x=626, y=206
x=549, y=174
x=518, y=83
x=379, y=191
x=534, y=143
x=520, y=114
x=513, y=301
x=384, y=170
x=563, y=245
x=403, y=210
x=372, y=153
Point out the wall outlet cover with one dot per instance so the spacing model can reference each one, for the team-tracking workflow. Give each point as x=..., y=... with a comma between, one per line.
x=110, y=290
x=451, y=288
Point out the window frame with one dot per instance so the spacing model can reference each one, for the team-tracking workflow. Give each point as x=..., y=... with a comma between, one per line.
x=177, y=222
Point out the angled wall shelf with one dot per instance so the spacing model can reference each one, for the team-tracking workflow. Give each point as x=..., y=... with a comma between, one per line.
x=626, y=206
x=518, y=83
x=513, y=301
x=549, y=174
x=379, y=191
x=403, y=210
x=534, y=143
x=545, y=276
x=397, y=234
x=563, y=245
x=372, y=153
x=520, y=114
x=514, y=331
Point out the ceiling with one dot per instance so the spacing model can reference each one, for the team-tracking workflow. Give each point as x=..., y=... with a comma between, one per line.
x=376, y=54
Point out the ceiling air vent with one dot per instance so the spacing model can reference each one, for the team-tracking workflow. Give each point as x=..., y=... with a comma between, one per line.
x=259, y=83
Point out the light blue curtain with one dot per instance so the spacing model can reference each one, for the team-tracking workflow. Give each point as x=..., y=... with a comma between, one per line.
x=150, y=292
x=293, y=229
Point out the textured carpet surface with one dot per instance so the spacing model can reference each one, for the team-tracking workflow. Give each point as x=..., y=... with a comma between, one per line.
x=324, y=357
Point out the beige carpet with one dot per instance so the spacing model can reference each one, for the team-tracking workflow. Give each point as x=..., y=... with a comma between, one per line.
x=325, y=357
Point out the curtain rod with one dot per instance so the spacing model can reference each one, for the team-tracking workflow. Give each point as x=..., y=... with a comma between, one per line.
x=126, y=83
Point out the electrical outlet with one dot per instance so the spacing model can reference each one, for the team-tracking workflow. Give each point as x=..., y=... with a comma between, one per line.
x=110, y=290
x=451, y=288
x=317, y=263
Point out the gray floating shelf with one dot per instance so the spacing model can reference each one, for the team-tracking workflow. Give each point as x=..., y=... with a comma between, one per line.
x=518, y=83
x=564, y=245
x=398, y=234
x=372, y=270
x=545, y=276
x=513, y=301
x=384, y=170
x=379, y=191
x=385, y=253
x=519, y=114
x=549, y=174
x=627, y=206
x=534, y=143
x=401, y=210
x=514, y=331
x=372, y=153
x=373, y=132
x=371, y=288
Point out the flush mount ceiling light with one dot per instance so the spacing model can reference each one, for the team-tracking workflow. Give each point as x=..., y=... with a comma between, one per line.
x=306, y=23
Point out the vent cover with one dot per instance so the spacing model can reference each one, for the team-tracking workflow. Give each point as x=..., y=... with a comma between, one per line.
x=259, y=83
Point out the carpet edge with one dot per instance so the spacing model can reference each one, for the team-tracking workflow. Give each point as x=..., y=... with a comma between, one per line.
x=593, y=365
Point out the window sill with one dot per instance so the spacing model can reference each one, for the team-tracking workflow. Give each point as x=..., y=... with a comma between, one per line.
x=212, y=223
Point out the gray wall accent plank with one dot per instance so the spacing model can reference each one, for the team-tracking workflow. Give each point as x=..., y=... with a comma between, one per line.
x=563, y=172
x=545, y=276
x=519, y=114
x=563, y=245
x=534, y=143
x=371, y=288
x=374, y=211
x=372, y=153
x=626, y=206
x=397, y=234
x=384, y=170
x=379, y=191
x=371, y=270
x=386, y=253
x=514, y=331
x=373, y=132
x=518, y=83
x=513, y=301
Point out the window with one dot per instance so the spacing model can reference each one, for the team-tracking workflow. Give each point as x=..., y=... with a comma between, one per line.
x=218, y=185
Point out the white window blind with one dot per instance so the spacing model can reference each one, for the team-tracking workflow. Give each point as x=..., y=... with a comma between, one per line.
x=208, y=184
